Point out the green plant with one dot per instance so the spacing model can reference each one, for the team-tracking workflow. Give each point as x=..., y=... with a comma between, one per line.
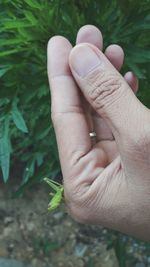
x=26, y=131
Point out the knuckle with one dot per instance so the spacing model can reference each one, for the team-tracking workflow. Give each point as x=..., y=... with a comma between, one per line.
x=104, y=88
x=55, y=117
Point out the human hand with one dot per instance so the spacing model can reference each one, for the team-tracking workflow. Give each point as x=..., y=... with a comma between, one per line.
x=106, y=182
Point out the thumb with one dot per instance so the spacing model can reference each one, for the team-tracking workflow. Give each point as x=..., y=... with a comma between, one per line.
x=105, y=88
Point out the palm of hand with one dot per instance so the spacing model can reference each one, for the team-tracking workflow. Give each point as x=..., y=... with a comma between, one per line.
x=91, y=173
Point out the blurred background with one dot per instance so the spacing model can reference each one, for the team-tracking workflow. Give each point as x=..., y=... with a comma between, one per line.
x=28, y=150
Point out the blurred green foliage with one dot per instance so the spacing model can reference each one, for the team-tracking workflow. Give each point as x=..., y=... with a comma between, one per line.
x=26, y=131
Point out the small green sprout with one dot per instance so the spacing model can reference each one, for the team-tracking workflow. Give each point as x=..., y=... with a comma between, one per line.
x=57, y=196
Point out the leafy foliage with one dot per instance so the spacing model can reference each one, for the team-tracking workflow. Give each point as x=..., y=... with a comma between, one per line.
x=25, y=28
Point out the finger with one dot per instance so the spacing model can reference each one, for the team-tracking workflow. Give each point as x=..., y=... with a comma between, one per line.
x=68, y=116
x=90, y=34
x=115, y=55
x=105, y=89
x=132, y=80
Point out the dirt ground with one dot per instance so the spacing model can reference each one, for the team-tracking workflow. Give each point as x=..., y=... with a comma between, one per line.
x=31, y=234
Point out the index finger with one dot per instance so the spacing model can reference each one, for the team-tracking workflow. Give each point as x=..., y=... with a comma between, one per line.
x=71, y=128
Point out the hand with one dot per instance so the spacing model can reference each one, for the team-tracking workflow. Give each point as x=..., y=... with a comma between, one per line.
x=106, y=182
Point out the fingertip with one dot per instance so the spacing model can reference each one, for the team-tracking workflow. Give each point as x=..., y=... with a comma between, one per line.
x=90, y=34
x=58, y=50
x=132, y=80
x=115, y=54
x=57, y=41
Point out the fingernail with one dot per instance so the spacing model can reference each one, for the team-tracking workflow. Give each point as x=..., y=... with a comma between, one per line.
x=83, y=60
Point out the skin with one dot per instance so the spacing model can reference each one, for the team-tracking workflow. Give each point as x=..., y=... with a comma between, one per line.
x=107, y=179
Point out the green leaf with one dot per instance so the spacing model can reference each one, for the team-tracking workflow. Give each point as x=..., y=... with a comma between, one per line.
x=29, y=170
x=18, y=119
x=27, y=36
x=39, y=158
x=4, y=148
x=67, y=19
x=8, y=52
x=4, y=70
x=30, y=17
x=33, y=3
x=13, y=24
x=9, y=41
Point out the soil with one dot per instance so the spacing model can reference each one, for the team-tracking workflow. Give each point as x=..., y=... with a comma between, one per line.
x=29, y=233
